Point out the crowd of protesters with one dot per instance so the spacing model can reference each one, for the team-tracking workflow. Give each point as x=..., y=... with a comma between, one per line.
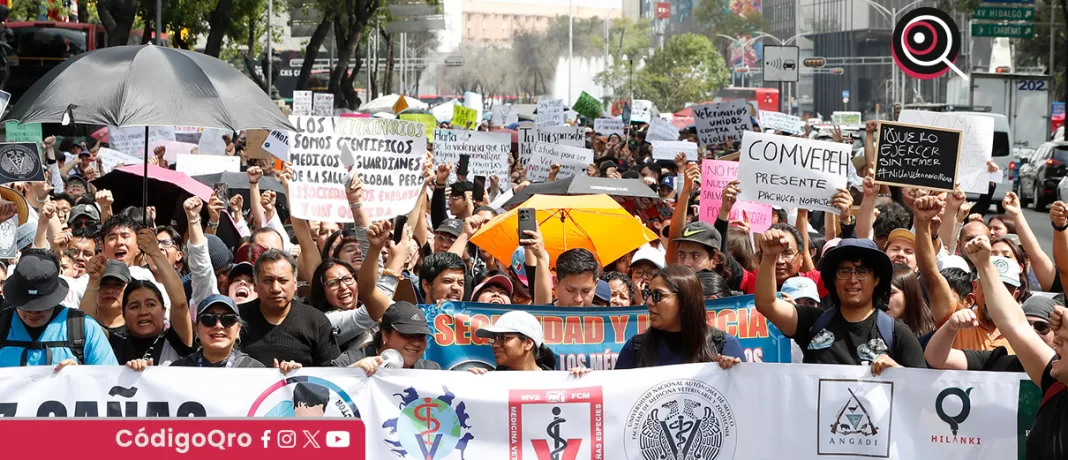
x=897, y=277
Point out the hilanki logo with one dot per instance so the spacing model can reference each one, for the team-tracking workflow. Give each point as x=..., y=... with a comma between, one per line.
x=681, y=420
x=854, y=418
x=303, y=396
x=954, y=414
x=428, y=428
x=556, y=424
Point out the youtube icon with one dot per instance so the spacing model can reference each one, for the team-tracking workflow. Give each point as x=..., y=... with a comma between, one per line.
x=337, y=439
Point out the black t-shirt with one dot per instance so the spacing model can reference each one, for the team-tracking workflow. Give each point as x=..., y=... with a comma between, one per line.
x=842, y=342
x=305, y=336
x=1049, y=434
x=128, y=347
x=996, y=360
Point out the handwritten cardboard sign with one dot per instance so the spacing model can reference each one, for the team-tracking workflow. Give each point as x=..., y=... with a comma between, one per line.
x=302, y=103
x=778, y=121
x=715, y=175
x=721, y=122
x=641, y=111
x=388, y=156
x=28, y=132
x=573, y=161
x=667, y=150
x=661, y=130
x=560, y=135
x=428, y=121
x=608, y=126
x=473, y=101
x=917, y=156
x=131, y=139
x=111, y=159
x=550, y=113
x=323, y=104
x=463, y=117
x=792, y=171
x=976, y=144
x=489, y=152
x=504, y=115
x=199, y=165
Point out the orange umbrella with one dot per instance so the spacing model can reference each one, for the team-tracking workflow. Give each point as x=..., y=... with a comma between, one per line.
x=594, y=222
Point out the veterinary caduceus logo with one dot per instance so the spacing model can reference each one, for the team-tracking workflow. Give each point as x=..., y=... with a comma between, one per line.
x=428, y=428
x=561, y=448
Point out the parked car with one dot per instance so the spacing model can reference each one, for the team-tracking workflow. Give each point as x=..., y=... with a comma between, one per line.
x=1041, y=174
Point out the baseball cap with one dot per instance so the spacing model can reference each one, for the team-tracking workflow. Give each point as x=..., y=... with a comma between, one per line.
x=647, y=253
x=495, y=280
x=453, y=227
x=1008, y=270
x=519, y=264
x=243, y=268
x=800, y=287
x=514, y=321
x=217, y=299
x=405, y=318
x=1039, y=307
x=701, y=233
x=953, y=262
x=901, y=234
x=117, y=269
x=84, y=210
x=603, y=292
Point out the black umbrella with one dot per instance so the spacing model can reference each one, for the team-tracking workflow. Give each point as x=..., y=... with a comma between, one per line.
x=237, y=182
x=148, y=86
x=585, y=185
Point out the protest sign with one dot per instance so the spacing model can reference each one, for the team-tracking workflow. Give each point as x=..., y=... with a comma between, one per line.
x=778, y=121
x=444, y=112
x=199, y=165
x=254, y=139
x=131, y=139
x=323, y=104
x=111, y=159
x=550, y=113
x=9, y=246
x=792, y=171
x=388, y=156
x=212, y=141
x=474, y=101
x=302, y=103
x=28, y=132
x=715, y=175
x=400, y=105
x=277, y=144
x=721, y=122
x=427, y=120
x=641, y=111
x=171, y=150
x=573, y=161
x=20, y=162
x=917, y=156
x=608, y=126
x=562, y=135
x=976, y=145
x=464, y=118
x=5, y=99
x=847, y=119
x=604, y=331
x=667, y=150
x=504, y=115
x=588, y=106
x=661, y=130
x=489, y=152
x=186, y=134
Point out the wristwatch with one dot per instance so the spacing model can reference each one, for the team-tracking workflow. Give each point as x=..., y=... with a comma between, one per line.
x=1059, y=229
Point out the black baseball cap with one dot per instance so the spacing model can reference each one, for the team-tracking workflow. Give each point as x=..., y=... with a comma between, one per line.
x=405, y=318
x=453, y=227
x=701, y=233
x=117, y=269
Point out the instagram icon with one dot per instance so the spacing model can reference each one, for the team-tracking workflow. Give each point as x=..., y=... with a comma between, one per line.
x=287, y=439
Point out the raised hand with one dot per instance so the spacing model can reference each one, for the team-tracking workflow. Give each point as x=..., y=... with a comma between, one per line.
x=956, y=199
x=870, y=187
x=146, y=242
x=843, y=200
x=355, y=190
x=1011, y=204
x=159, y=151
x=255, y=173
x=472, y=224
x=95, y=267
x=441, y=177
x=215, y=207
x=926, y=208
x=237, y=205
x=1058, y=213
x=378, y=234
x=978, y=249
x=774, y=242
x=728, y=198
x=7, y=210
x=47, y=211
x=963, y=319
x=104, y=199
x=192, y=207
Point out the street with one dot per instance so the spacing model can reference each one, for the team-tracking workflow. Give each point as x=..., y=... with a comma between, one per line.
x=1039, y=222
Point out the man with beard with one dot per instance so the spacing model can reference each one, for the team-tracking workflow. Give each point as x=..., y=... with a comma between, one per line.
x=954, y=289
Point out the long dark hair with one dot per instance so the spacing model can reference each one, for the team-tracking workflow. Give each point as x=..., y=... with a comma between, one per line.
x=136, y=284
x=317, y=298
x=1021, y=257
x=917, y=315
x=687, y=288
x=543, y=356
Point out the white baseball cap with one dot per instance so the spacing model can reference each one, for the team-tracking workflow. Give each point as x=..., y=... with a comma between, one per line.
x=800, y=287
x=649, y=254
x=1008, y=270
x=514, y=321
x=953, y=262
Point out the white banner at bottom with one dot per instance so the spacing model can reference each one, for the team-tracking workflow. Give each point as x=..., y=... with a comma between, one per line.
x=751, y=412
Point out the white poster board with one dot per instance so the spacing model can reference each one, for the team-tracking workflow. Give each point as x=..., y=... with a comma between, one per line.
x=199, y=165
x=573, y=161
x=661, y=130
x=976, y=144
x=131, y=139
x=111, y=159
x=772, y=121
x=791, y=171
x=277, y=144
x=721, y=122
x=561, y=135
x=323, y=104
x=666, y=150
x=302, y=103
x=609, y=126
x=504, y=115
x=641, y=111
x=444, y=112
x=550, y=113
x=212, y=142
x=489, y=152
x=474, y=101
x=388, y=156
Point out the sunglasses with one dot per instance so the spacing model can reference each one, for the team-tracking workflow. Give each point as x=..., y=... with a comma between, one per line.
x=210, y=320
x=1041, y=327
x=654, y=296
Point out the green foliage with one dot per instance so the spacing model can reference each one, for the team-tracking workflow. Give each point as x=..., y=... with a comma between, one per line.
x=687, y=69
x=716, y=18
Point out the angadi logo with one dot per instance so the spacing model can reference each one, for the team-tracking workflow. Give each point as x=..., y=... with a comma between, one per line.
x=854, y=418
x=428, y=428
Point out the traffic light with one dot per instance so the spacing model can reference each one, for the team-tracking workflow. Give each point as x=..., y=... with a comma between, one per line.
x=814, y=62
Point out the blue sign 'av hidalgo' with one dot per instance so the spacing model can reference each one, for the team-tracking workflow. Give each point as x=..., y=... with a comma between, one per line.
x=590, y=337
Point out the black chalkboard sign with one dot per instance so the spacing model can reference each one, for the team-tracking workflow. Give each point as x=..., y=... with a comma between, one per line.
x=917, y=156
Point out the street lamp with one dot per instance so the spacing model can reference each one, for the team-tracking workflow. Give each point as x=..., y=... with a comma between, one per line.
x=630, y=63
x=891, y=15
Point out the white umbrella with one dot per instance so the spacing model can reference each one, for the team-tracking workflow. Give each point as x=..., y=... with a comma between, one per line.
x=386, y=103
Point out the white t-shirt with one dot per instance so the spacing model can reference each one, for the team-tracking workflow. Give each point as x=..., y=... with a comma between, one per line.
x=79, y=285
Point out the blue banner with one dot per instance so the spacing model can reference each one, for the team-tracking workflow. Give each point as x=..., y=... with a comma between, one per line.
x=590, y=337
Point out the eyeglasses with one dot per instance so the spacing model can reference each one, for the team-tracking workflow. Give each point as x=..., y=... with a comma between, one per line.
x=655, y=296
x=209, y=320
x=1041, y=327
x=347, y=280
x=640, y=273
x=165, y=244
x=501, y=338
x=862, y=273
x=786, y=255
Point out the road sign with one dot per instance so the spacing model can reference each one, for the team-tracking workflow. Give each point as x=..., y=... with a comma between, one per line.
x=781, y=63
x=815, y=62
x=845, y=94
x=1004, y=13
x=1018, y=30
x=454, y=61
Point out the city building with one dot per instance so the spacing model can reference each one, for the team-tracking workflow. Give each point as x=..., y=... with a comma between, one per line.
x=496, y=22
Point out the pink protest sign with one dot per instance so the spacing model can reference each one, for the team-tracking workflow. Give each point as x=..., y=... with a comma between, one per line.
x=715, y=175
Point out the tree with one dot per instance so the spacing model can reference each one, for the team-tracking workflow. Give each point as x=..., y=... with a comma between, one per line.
x=716, y=18
x=687, y=69
x=117, y=16
x=628, y=45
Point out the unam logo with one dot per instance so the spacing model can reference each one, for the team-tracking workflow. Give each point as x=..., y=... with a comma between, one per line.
x=310, y=397
x=681, y=419
x=428, y=428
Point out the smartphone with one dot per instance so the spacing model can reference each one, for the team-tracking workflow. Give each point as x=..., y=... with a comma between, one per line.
x=480, y=189
x=527, y=222
x=461, y=167
x=222, y=191
x=398, y=227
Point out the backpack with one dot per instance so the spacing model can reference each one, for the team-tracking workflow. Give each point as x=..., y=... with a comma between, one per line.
x=75, y=336
x=883, y=322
